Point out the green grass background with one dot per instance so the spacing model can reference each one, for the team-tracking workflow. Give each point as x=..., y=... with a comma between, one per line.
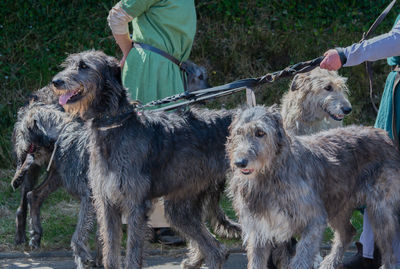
x=235, y=39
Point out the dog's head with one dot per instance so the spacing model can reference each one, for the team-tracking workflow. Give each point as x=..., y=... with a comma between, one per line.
x=34, y=136
x=256, y=138
x=323, y=92
x=90, y=80
x=197, y=77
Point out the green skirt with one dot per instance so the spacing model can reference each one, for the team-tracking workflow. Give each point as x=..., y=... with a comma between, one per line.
x=149, y=76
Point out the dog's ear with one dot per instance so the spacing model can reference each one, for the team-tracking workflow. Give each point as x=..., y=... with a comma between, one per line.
x=113, y=91
x=235, y=119
x=38, y=135
x=114, y=69
x=298, y=81
x=278, y=121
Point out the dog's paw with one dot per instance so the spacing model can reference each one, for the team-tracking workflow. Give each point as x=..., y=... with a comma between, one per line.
x=34, y=243
x=189, y=264
x=20, y=238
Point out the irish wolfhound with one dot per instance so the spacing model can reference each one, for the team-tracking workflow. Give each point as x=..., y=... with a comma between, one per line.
x=286, y=185
x=38, y=130
x=316, y=101
x=138, y=156
x=20, y=148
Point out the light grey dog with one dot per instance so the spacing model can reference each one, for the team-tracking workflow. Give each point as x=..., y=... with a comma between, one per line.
x=294, y=185
x=36, y=131
x=138, y=156
x=316, y=101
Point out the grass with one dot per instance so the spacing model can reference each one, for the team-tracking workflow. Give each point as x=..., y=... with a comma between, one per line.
x=58, y=215
x=235, y=39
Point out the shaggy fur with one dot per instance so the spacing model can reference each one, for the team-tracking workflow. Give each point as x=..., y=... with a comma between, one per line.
x=40, y=126
x=286, y=185
x=316, y=101
x=136, y=157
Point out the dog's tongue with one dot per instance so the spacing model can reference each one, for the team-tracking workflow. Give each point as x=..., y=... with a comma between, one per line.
x=65, y=97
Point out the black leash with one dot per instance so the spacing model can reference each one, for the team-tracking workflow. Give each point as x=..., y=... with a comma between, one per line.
x=181, y=64
x=365, y=36
x=223, y=90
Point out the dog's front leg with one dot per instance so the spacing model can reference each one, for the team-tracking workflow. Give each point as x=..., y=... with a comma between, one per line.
x=257, y=253
x=109, y=219
x=308, y=246
x=83, y=258
x=137, y=230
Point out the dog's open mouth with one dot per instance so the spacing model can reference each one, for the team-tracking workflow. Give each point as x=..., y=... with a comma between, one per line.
x=246, y=171
x=337, y=117
x=70, y=96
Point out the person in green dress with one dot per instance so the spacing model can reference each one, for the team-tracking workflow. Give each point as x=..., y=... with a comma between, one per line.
x=169, y=25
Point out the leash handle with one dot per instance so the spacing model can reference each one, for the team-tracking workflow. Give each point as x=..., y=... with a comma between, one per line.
x=368, y=67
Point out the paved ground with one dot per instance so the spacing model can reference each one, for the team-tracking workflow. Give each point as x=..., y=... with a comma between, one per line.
x=235, y=261
x=156, y=259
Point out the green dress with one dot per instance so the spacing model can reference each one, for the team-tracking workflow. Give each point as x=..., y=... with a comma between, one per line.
x=169, y=25
x=384, y=118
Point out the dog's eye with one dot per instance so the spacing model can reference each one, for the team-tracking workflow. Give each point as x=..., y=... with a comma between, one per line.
x=259, y=133
x=329, y=88
x=82, y=65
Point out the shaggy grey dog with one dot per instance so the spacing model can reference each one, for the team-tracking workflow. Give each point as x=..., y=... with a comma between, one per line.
x=316, y=101
x=197, y=77
x=29, y=177
x=138, y=156
x=294, y=185
x=38, y=129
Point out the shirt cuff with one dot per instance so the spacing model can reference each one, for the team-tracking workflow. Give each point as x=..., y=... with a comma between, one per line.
x=342, y=55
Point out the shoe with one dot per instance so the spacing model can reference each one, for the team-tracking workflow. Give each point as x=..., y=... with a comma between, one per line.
x=359, y=262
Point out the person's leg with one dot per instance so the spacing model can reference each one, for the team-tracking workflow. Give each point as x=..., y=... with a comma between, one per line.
x=157, y=218
x=162, y=232
x=367, y=238
x=365, y=258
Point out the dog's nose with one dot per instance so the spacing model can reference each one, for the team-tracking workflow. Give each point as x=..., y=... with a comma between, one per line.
x=241, y=163
x=346, y=110
x=57, y=82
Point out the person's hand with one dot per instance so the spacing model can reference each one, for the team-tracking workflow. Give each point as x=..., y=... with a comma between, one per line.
x=331, y=61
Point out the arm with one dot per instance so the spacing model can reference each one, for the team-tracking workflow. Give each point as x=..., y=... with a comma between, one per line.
x=373, y=49
x=118, y=21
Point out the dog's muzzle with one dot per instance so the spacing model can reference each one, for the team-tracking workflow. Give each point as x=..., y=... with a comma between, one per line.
x=241, y=163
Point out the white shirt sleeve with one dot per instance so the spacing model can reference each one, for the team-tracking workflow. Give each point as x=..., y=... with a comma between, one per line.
x=380, y=47
x=118, y=20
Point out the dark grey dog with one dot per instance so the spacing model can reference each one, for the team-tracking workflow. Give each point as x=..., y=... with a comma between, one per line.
x=31, y=171
x=37, y=130
x=294, y=185
x=138, y=156
x=197, y=77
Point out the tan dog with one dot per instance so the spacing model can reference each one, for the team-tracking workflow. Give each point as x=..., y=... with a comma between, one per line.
x=316, y=101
